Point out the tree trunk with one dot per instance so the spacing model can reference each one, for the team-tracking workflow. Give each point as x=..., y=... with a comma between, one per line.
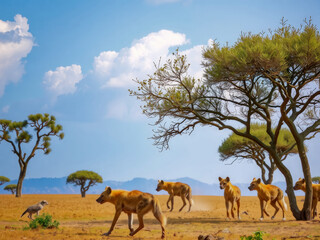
x=22, y=175
x=270, y=176
x=12, y=191
x=306, y=210
x=290, y=192
x=83, y=194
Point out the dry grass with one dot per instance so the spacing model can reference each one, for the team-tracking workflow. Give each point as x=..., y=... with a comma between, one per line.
x=85, y=219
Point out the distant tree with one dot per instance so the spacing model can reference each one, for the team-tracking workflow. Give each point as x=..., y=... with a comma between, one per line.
x=3, y=180
x=316, y=180
x=16, y=134
x=12, y=188
x=84, y=179
x=238, y=148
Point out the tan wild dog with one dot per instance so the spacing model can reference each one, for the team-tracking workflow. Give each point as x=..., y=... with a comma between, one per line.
x=268, y=192
x=132, y=202
x=301, y=185
x=232, y=194
x=176, y=189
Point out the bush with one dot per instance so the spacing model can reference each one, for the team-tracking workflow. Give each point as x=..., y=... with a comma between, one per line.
x=44, y=221
x=257, y=236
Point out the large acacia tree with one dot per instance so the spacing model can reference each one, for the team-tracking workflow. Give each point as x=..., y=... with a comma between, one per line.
x=272, y=79
x=85, y=179
x=237, y=148
x=11, y=187
x=17, y=135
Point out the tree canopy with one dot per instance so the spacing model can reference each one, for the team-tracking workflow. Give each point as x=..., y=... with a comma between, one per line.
x=3, y=180
x=316, y=180
x=11, y=187
x=85, y=179
x=16, y=134
x=271, y=79
x=238, y=148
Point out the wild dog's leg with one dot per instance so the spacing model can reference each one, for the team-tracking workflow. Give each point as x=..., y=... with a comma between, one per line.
x=273, y=204
x=261, y=208
x=30, y=216
x=169, y=199
x=227, y=208
x=130, y=222
x=232, y=206
x=183, y=197
x=314, y=207
x=172, y=197
x=143, y=207
x=37, y=213
x=265, y=208
x=238, y=210
x=141, y=225
x=115, y=219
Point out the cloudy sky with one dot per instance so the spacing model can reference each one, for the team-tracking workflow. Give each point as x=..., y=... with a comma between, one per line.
x=76, y=60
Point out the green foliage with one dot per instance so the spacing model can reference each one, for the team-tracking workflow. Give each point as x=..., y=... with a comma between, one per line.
x=316, y=180
x=256, y=236
x=43, y=221
x=11, y=187
x=3, y=180
x=84, y=175
x=285, y=143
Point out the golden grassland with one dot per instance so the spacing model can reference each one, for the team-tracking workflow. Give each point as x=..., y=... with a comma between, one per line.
x=84, y=218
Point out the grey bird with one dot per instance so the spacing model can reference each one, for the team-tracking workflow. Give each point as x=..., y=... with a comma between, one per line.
x=35, y=208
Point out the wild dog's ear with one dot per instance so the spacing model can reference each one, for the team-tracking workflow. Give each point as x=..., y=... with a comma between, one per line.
x=300, y=178
x=303, y=181
x=162, y=182
x=108, y=190
x=228, y=179
x=159, y=181
x=259, y=180
x=254, y=179
x=220, y=179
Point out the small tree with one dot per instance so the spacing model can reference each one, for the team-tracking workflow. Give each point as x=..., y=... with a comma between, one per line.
x=316, y=180
x=44, y=127
x=3, y=180
x=12, y=188
x=84, y=179
x=236, y=148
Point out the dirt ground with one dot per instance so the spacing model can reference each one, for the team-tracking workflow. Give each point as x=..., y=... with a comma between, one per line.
x=83, y=218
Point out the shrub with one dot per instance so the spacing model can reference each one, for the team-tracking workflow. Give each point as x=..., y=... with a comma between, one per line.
x=256, y=236
x=44, y=221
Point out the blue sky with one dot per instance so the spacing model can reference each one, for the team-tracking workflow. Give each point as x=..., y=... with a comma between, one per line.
x=76, y=60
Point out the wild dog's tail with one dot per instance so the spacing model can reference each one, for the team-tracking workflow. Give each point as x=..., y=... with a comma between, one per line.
x=157, y=212
x=189, y=197
x=24, y=212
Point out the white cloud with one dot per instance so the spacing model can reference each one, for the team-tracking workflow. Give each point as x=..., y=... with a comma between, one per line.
x=5, y=109
x=118, y=69
x=16, y=43
x=63, y=80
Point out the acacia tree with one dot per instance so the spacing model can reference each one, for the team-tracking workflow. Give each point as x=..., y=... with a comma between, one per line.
x=238, y=148
x=12, y=188
x=316, y=180
x=17, y=135
x=84, y=179
x=3, y=180
x=271, y=79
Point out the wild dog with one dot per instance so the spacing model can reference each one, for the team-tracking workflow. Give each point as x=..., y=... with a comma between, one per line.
x=132, y=202
x=268, y=192
x=35, y=209
x=301, y=185
x=232, y=194
x=176, y=189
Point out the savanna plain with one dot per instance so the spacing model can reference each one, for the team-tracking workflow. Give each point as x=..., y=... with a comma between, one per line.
x=84, y=218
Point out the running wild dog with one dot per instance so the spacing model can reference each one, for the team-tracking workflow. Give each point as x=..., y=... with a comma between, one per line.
x=176, y=189
x=266, y=193
x=35, y=209
x=301, y=185
x=232, y=194
x=132, y=202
